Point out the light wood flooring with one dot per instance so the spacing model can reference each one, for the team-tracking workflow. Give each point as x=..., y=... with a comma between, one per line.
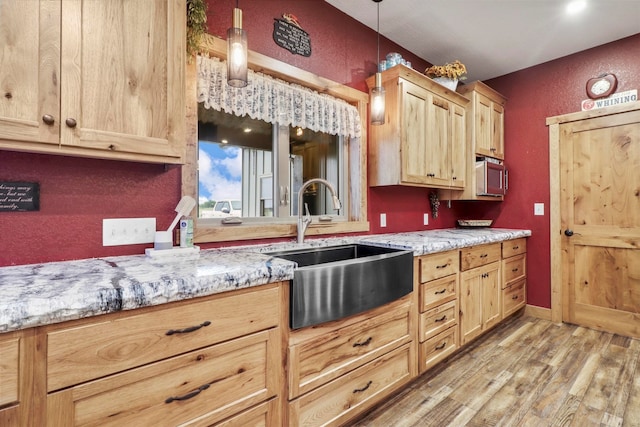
x=526, y=372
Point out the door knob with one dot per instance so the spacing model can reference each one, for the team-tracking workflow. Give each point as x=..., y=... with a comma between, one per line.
x=568, y=232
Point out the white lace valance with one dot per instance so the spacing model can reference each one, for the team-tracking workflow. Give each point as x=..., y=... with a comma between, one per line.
x=275, y=101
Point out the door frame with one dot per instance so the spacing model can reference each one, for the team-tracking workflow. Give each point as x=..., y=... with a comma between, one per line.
x=555, y=224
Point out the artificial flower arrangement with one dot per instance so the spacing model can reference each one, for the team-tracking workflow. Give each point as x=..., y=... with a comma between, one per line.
x=453, y=70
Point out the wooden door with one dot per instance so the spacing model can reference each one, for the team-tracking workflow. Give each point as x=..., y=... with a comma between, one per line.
x=483, y=131
x=439, y=141
x=600, y=222
x=123, y=77
x=29, y=73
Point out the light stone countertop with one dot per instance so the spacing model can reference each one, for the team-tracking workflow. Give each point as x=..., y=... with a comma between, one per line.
x=41, y=294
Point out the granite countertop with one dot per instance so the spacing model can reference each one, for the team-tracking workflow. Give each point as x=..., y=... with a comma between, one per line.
x=40, y=294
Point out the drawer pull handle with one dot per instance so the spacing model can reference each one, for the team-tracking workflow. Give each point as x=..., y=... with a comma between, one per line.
x=441, y=346
x=514, y=270
x=442, y=266
x=514, y=297
x=516, y=248
x=187, y=330
x=444, y=317
x=360, y=390
x=188, y=395
x=440, y=292
x=362, y=344
x=484, y=255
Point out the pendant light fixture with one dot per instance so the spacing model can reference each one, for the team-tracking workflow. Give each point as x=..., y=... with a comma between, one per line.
x=377, y=93
x=237, y=51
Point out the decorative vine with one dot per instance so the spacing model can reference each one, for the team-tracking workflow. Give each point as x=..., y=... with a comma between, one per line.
x=196, y=24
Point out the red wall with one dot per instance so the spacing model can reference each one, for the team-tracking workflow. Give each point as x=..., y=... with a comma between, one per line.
x=546, y=90
x=76, y=193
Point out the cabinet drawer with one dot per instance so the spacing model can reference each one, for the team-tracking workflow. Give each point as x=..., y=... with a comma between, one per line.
x=342, y=399
x=438, y=347
x=438, y=319
x=9, y=368
x=320, y=360
x=513, y=268
x=479, y=255
x=438, y=265
x=210, y=384
x=514, y=247
x=513, y=297
x=98, y=348
x=437, y=292
x=266, y=414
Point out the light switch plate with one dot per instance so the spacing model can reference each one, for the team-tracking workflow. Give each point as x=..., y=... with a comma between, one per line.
x=538, y=208
x=383, y=220
x=425, y=219
x=128, y=231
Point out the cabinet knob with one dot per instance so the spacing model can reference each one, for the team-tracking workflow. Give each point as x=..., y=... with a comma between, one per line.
x=48, y=119
x=71, y=122
x=568, y=232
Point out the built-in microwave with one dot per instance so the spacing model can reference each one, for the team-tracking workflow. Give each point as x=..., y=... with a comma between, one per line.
x=492, y=179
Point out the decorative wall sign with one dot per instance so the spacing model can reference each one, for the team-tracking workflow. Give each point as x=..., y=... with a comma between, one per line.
x=19, y=196
x=615, y=99
x=288, y=34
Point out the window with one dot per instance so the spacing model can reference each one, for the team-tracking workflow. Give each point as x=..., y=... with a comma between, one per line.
x=269, y=169
x=261, y=167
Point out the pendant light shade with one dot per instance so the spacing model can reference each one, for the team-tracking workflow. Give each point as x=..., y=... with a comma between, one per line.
x=237, y=52
x=377, y=93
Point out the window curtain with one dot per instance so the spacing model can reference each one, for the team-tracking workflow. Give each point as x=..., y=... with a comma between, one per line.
x=275, y=101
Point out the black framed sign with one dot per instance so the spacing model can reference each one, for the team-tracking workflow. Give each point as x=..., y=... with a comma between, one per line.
x=288, y=34
x=19, y=196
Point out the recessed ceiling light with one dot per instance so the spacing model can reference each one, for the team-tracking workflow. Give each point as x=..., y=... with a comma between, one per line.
x=576, y=6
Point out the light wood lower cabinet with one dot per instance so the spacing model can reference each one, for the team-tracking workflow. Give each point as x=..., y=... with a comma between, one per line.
x=438, y=295
x=480, y=292
x=16, y=378
x=194, y=364
x=338, y=370
x=338, y=401
x=514, y=276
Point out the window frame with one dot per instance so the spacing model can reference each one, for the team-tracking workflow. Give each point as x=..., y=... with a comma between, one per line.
x=279, y=228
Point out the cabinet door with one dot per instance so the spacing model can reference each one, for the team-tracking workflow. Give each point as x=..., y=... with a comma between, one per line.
x=414, y=134
x=491, y=296
x=29, y=72
x=497, y=130
x=457, y=146
x=438, y=158
x=123, y=77
x=479, y=300
x=483, y=130
x=470, y=305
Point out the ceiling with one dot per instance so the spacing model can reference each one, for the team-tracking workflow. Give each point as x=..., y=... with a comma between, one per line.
x=495, y=37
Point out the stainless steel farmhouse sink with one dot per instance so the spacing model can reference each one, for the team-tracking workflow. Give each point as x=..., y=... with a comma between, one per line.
x=333, y=282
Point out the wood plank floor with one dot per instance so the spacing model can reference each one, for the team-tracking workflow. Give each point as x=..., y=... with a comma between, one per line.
x=526, y=372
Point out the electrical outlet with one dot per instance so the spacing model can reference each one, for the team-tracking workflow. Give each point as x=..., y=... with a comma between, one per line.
x=128, y=231
x=425, y=219
x=383, y=220
x=538, y=208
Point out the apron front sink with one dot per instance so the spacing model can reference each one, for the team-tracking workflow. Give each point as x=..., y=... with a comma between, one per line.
x=334, y=282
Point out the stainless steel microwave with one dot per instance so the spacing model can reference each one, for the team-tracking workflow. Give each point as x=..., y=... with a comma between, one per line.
x=492, y=179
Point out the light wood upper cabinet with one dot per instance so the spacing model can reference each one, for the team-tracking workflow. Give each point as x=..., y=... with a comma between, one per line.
x=484, y=133
x=486, y=119
x=95, y=79
x=422, y=140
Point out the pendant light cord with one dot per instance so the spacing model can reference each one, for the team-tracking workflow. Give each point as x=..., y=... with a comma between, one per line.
x=378, y=57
